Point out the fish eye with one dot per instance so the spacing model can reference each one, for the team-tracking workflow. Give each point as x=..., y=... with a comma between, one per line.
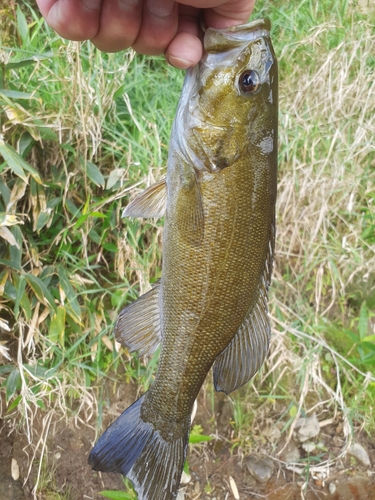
x=249, y=81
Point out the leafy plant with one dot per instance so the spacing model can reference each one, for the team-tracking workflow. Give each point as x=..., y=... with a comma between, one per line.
x=129, y=494
x=69, y=263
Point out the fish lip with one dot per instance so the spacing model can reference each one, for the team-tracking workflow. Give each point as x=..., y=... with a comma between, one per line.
x=221, y=39
x=264, y=22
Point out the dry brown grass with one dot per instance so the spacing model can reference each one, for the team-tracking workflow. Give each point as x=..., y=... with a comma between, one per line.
x=327, y=178
x=327, y=131
x=324, y=256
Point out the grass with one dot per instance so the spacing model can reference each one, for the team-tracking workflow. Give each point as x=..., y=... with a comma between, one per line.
x=81, y=131
x=46, y=485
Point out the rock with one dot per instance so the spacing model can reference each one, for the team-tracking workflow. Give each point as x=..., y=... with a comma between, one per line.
x=353, y=488
x=332, y=488
x=291, y=453
x=181, y=494
x=307, y=428
x=15, y=470
x=309, y=446
x=261, y=468
x=272, y=433
x=250, y=481
x=337, y=441
x=357, y=451
x=185, y=478
x=197, y=488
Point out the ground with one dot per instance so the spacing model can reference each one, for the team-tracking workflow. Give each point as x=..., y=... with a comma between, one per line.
x=216, y=468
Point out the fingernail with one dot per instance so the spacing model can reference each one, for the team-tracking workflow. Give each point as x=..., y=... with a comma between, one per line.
x=91, y=5
x=179, y=63
x=160, y=8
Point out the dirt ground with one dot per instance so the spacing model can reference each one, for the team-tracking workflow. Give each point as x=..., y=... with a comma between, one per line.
x=215, y=470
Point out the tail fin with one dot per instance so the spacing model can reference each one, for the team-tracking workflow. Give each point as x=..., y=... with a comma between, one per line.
x=135, y=449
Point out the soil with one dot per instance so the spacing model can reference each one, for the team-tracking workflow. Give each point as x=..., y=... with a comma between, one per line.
x=215, y=468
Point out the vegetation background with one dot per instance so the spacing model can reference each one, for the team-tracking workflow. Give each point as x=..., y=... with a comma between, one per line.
x=82, y=131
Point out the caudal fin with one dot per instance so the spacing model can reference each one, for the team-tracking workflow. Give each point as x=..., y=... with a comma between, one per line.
x=135, y=449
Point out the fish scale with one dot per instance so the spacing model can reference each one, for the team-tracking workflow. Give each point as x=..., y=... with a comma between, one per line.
x=210, y=306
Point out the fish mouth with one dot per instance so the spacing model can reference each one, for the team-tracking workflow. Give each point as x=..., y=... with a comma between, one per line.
x=224, y=39
x=264, y=23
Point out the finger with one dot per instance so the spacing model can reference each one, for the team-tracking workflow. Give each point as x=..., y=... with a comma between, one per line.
x=185, y=50
x=158, y=28
x=229, y=14
x=120, y=22
x=72, y=19
x=223, y=13
x=202, y=4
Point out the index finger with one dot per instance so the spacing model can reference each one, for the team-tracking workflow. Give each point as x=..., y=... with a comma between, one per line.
x=223, y=13
x=72, y=19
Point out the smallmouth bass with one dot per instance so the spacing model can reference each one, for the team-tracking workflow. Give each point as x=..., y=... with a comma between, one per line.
x=210, y=306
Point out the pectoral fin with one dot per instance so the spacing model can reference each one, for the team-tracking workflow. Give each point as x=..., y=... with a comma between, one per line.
x=190, y=211
x=150, y=203
x=243, y=357
x=138, y=325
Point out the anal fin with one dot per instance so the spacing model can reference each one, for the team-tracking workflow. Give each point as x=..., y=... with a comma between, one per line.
x=150, y=203
x=243, y=357
x=138, y=325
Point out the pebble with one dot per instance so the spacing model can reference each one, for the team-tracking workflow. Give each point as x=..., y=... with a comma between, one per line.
x=309, y=446
x=332, y=488
x=307, y=428
x=185, y=478
x=181, y=494
x=197, y=488
x=357, y=451
x=291, y=453
x=15, y=470
x=272, y=433
x=261, y=468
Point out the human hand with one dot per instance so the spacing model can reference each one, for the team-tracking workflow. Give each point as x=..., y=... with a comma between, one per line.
x=148, y=26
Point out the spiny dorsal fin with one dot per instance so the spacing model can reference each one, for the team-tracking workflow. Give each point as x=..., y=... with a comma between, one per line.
x=243, y=357
x=138, y=325
x=150, y=203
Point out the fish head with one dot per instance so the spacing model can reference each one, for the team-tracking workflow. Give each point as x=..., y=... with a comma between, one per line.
x=230, y=99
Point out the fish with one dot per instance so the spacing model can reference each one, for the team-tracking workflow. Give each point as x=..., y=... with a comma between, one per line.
x=209, y=309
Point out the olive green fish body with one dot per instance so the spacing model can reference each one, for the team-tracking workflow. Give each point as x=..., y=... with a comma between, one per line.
x=210, y=306
x=208, y=287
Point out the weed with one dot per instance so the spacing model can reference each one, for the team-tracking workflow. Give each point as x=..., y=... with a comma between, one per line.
x=322, y=295
x=47, y=484
x=128, y=494
x=82, y=131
